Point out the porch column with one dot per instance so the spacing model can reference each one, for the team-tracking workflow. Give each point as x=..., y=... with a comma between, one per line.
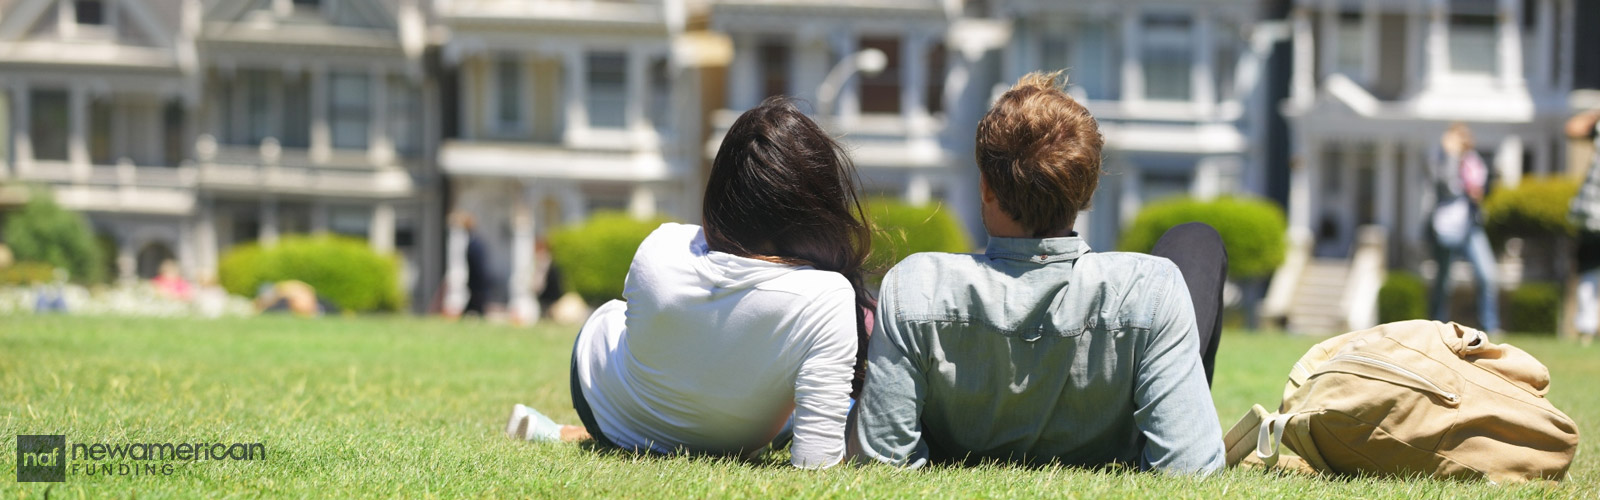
x=380, y=234
x=1509, y=42
x=1328, y=46
x=744, y=73
x=1304, y=86
x=914, y=81
x=1129, y=202
x=522, y=307
x=321, y=136
x=1201, y=79
x=127, y=262
x=637, y=79
x=205, y=236
x=1438, y=41
x=21, y=143
x=380, y=149
x=319, y=217
x=919, y=189
x=810, y=63
x=78, y=132
x=455, y=268
x=1384, y=184
x=848, y=102
x=1508, y=160
x=1544, y=43
x=1422, y=193
x=1132, y=72
x=1300, y=178
x=269, y=221
x=1566, y=46
x=1417, y=40
x=575, y=68
x=642, y=201
x=574, y=205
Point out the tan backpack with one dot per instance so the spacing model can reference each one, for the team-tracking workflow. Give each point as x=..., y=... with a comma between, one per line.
x=1414, y=397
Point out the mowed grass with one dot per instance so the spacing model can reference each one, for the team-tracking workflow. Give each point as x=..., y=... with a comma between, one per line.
x=413, y=408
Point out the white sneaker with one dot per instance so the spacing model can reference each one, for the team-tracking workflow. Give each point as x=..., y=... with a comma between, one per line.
x=530, y=425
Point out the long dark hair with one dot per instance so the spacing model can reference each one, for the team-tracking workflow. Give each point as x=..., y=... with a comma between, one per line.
x=782, y=190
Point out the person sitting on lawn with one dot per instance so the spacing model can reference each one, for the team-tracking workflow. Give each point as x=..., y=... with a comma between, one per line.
x=1038, y=350
x=730, y=329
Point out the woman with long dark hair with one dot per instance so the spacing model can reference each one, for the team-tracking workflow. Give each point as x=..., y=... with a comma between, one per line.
x=730, y=329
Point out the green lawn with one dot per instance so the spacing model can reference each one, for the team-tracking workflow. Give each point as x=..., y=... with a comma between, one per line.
x=403, y=407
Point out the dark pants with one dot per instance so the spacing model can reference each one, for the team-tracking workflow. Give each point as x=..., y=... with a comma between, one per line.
x=581, y=405
x=1197, y=250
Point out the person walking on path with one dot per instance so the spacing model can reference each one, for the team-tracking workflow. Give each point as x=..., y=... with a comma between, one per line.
x=1461, y=181
x=1585, y=217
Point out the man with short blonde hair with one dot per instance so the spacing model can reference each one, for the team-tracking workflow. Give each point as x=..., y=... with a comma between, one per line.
x=1038, y=350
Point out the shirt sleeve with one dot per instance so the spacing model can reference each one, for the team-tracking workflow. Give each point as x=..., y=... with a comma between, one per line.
x=1173, y=403
x=886, y=425
x=822, y=388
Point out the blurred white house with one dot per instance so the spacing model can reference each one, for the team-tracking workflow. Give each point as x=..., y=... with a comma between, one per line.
x=1375, y=84
x=1177, y=87
x=904, y=123
x=184, y=127
x=562, y=108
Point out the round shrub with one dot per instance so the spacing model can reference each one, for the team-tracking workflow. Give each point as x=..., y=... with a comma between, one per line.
x=243, y=269
x=594, y=256
x=1402, y=297
x=42, y=231
x=900, y=229
x=344, y=270
x=1536, y=207
x=1533, y=308
x=1254, y=231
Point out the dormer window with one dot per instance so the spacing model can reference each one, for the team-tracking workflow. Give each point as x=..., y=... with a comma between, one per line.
x=90, y=12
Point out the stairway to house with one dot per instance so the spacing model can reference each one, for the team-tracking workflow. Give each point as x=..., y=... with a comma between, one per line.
x=1317, y=305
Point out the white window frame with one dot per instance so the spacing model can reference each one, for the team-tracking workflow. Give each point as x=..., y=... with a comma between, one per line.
x=495, y=123
x=589, y=95
x=1144, y=54
x=1494, y=50
x=334, y=107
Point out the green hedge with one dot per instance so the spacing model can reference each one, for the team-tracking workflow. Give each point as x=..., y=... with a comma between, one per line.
x=42, y=231
x=1403, y=297
x=1536, y=207
x=1253, y=230
x=1533, y=308
x=900, y=229
x=344, y=270
x=594, y=256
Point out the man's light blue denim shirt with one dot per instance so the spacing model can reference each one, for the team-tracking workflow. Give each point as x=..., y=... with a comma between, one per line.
x=1034, y=351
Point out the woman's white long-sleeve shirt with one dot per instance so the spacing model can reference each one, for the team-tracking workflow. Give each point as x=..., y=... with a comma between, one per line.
x=711, y=353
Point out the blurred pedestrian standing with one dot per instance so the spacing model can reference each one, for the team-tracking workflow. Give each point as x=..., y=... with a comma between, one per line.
x=1585, y=216
x=468, y=282
x=1461, y=179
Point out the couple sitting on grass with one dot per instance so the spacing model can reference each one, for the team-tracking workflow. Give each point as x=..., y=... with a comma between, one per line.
x=759, y=324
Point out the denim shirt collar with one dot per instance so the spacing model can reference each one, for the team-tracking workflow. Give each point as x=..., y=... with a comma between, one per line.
x=1036, y=250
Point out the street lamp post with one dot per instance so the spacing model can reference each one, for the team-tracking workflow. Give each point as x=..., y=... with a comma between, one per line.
x=868, y=61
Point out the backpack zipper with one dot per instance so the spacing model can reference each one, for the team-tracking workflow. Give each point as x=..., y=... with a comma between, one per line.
x=1398, y=370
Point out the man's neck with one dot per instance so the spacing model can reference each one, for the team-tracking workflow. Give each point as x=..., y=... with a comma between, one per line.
x=1018, y=232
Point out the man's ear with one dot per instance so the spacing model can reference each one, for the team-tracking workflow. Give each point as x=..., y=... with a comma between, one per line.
x=983, y=187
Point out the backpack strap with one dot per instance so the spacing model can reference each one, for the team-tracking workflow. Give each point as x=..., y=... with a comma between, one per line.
x=1269, y=439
